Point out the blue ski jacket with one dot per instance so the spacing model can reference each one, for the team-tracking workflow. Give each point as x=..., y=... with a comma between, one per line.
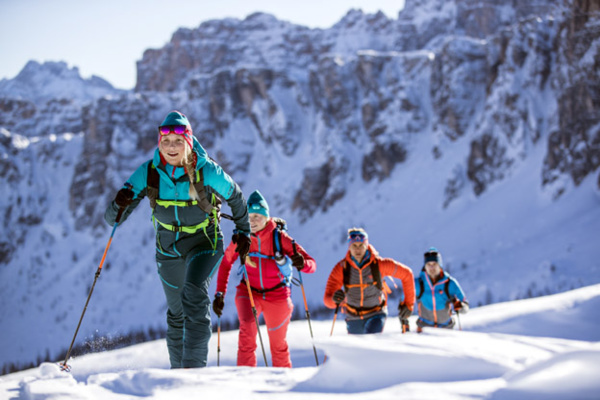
x=434, y=304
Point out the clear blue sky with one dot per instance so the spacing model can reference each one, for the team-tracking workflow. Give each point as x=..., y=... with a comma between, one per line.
x=107, y=37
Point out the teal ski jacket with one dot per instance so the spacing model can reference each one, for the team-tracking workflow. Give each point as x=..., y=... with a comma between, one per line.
x=174, y=190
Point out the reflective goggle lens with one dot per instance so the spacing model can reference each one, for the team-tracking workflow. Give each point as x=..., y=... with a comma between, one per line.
x=168, y=129
x=356, y=237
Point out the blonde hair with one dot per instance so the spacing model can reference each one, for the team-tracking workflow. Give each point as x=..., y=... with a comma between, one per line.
x=189, y=163
x=355, y=230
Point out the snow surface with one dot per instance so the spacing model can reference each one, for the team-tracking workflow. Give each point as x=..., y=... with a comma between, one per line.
x=538, y=359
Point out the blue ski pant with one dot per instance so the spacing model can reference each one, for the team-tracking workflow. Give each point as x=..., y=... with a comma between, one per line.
x=372, y=324
x=186, y=282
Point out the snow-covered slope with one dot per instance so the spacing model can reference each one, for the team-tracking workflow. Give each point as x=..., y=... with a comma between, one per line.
x=513, y=350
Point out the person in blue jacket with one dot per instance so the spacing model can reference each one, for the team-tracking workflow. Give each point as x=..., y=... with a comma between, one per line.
x=437, y=294
x=185, y=188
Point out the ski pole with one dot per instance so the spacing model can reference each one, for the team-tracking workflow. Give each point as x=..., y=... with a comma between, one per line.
x=218, y=341
x=337, y=308
x=255, y=314
x=457, y=314
x=64, y=366
x=306, y=307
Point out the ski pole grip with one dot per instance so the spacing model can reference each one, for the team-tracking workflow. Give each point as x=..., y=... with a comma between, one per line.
x=294, y=246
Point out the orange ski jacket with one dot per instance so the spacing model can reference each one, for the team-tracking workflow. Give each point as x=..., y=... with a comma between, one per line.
x=363, y=296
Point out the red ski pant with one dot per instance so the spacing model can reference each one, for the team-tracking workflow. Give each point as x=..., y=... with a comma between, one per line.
x=277, y=314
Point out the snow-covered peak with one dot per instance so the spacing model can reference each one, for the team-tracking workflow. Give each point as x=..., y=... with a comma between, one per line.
x=262, y=21
x=54, y=80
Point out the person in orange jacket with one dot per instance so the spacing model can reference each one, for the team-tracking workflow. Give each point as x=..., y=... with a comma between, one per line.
x=356, y=284
x=270, y=292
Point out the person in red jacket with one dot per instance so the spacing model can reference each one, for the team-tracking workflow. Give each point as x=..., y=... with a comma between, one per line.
x=270, y=292
x=356, y=283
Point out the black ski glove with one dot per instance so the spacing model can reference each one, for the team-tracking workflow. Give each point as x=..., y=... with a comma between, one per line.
x=218, y=304
x=339, y=296
x=404, y=311
x=298, y=261
x=124, y=198
x=242, y=242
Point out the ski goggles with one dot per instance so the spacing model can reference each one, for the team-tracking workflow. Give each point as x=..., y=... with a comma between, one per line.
x=176, y=129
x=357, y=236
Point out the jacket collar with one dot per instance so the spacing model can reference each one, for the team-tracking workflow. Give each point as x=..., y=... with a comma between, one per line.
x=369, y=257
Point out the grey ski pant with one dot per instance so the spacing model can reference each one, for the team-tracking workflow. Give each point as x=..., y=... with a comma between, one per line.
x=186, y=281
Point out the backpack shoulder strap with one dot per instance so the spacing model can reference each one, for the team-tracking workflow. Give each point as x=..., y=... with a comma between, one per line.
x=152, y=182
x=421, y=288
x=446, y=287
x=203, y=202
x=277, y=253
x=346, y=270
x=376, y=274
x=285, y=266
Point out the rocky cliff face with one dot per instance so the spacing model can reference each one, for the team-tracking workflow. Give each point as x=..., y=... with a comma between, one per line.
x=574, y=145
x=469, y=51
x=465, y=92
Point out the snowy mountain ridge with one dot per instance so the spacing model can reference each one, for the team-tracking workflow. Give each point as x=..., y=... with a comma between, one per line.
x=55, y=81
x=482, y=143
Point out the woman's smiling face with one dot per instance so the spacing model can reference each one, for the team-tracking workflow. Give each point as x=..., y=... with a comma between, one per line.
x=173, y=149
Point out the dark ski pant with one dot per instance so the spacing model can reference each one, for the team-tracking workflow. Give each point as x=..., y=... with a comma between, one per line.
x=422, y=323
x=186, y=281
x=372, y=324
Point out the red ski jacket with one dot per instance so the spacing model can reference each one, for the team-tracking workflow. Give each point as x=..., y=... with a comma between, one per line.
x=265, y=275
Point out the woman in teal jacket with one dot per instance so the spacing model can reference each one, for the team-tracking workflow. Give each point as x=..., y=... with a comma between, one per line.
x=184, y=187
x=437, y=294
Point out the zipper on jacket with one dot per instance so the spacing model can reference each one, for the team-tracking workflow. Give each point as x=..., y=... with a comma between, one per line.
x=434, y=308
